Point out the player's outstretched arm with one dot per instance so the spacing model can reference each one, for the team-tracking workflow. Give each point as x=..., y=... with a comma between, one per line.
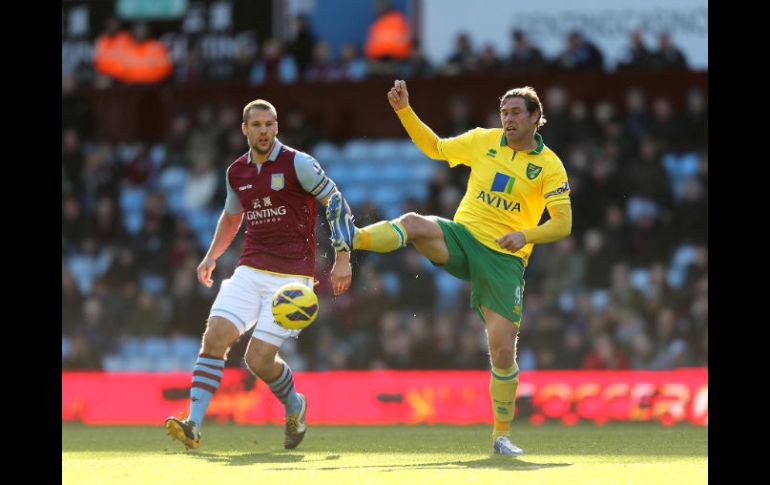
x=557, y=227
x=420, y=133
x=227, y=228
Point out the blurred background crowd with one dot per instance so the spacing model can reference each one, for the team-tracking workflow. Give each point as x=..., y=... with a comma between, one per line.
x=627, y=290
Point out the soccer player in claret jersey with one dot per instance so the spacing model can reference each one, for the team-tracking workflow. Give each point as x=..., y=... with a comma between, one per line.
x=275, y=188
x=514, y=178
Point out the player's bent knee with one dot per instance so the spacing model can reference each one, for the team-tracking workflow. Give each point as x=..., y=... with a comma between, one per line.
x=501, y=356
x=220, y=334
x=418, y=227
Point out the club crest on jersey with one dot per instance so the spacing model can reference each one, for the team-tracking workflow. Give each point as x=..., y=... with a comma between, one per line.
x=533, y=171
x=276, y=181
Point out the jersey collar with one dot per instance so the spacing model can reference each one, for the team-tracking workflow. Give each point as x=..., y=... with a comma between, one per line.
x=273, y=154
x=536, y=151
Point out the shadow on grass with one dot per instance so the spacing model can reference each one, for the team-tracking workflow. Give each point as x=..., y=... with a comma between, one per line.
x=257, y=458
x=246, y=459
x=493, y=462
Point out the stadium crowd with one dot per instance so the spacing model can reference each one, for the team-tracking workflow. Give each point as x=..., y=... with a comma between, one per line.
x=129, y=54
x=627, y=290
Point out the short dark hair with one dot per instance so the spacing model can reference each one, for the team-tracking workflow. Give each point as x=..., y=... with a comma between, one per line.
x=259, y=104
x=531, y=100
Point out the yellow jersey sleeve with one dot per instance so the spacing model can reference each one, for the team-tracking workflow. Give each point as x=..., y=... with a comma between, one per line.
x=555, y=185
x=458, y=150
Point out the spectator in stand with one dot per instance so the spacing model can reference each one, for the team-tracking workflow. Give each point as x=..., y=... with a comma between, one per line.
x=579, y=55
x=605, y=355
x=525, y=57
x=302, y=45
x=666, y=128
x=638, y=57
x=694, y=122
x=106, y=224
x=298, y=131
x=558, y=127
x=240, y=69
x=74, y=225
x=71, y=302
x=488, y=62
x=203, y=138
x=463, y=59
x=388, y=41
x=691, y=214
x=668, y=56
x=598, y=260
x=111, y=49
x=672, y=349
x=323, y=67
x=275, y=67
x=417, y=287
x=637, y=120
x=190, y=69
x=572, y=349
x=76, y=110
x=416, y=65
x=72, y=161
x=460, y=117
x=146, y=60
x=352, y=67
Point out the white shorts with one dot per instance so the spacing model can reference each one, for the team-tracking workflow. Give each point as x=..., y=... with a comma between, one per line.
x=247, y=298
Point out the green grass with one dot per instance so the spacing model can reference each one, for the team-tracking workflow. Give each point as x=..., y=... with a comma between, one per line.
x=631, y=453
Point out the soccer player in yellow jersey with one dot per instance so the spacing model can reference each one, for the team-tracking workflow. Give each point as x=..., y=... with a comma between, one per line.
x=514, y=178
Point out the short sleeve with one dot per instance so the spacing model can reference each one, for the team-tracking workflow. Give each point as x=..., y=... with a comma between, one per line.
x=311, y=176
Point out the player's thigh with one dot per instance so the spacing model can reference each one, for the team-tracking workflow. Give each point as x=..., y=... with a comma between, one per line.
x=426, y=236
x=267, y=329
x=237, y=300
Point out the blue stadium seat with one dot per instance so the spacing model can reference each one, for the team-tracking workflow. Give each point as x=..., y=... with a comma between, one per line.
x=356, y=194
x=155, y=347
x=132, y=208
x=113, y=363
x=386, y=150
x=356, y=150
x=184, y=347
x=65, y=346
x=326, y=153
x=639, y=278
x=171, y=182
x=600, y=299
x=130, y=347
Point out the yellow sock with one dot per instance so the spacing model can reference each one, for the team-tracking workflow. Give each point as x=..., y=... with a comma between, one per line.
x=380, y=237
x=502, y=389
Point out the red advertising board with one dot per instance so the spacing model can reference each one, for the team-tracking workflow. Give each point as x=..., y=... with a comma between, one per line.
x=395, y=397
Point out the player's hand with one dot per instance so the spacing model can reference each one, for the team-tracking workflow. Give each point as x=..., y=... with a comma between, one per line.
x=513, y=241
x=398, y=96
x=342, y=274
x=205, y=270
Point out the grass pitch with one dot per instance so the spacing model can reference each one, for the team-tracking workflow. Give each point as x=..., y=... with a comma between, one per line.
x=633, y=453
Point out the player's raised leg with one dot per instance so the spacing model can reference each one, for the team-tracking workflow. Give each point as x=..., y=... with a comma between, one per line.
x=263, y=361
x=207, y=374
x=502, y=335
x=385, y=236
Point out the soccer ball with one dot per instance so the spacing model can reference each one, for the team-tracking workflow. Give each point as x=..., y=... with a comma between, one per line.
x=295, y=306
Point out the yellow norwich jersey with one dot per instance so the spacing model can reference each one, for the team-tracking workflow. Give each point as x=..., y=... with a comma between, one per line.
x=507, y=190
